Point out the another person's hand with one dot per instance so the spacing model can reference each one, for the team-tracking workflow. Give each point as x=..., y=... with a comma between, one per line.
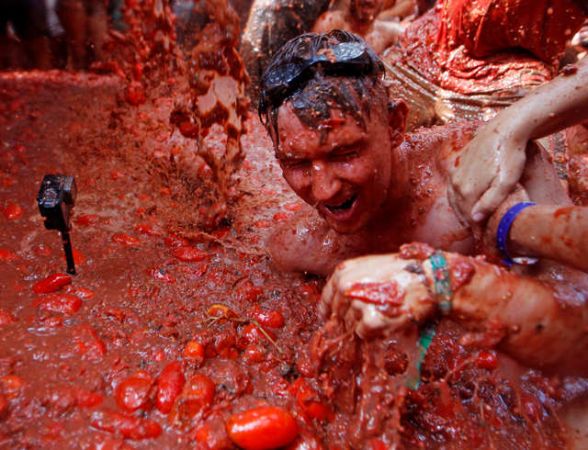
x=375, y=294
x=487, y=170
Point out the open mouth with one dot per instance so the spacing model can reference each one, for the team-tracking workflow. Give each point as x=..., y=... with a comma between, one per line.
x=343, y=206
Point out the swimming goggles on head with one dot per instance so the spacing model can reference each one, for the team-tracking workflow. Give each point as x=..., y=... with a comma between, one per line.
x=343, y=59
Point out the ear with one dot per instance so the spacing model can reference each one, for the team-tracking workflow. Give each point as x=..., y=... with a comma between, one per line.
x=397, y=115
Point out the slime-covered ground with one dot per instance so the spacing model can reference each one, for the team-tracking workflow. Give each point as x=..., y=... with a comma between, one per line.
x=96, y=362
x=142, y=293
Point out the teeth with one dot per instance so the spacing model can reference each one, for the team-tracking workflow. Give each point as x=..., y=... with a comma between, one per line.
x=344, y=205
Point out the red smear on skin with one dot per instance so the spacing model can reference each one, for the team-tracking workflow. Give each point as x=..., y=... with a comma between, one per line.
x=461, y=273
x=416, y=250
x=383, y=294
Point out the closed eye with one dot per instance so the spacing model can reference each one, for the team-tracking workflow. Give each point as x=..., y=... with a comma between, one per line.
x=346, y=153
x=295, y=163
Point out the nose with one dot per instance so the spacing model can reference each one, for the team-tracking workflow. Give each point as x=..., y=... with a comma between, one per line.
x=325, y=183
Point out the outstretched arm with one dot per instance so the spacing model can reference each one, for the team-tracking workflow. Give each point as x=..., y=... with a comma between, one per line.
x=492, y=163
x=384, y=294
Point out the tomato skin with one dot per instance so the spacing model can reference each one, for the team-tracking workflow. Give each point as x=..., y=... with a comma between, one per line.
x=271, y=319
x=194, y=351
x=487, y=360
x=52, y=283
x=169, y=386
x=197, y=396
x=262, y=428
x=7, y=255
x=58, y=303
x=309, y=401
x=12, y=211
x=133, y=392
x=130, y=427
x=125, y=239
x=189, y=254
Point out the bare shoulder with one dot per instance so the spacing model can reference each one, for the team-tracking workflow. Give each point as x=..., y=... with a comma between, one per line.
x=329, y=21
x=304, y=244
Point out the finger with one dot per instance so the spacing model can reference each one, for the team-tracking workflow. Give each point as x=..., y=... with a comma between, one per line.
x=490, y=201
x=503, y=184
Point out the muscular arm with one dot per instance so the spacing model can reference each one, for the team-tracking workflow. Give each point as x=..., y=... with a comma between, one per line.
x=557, y=233
x=492, y=163
x=306, y=244
x=385, y=294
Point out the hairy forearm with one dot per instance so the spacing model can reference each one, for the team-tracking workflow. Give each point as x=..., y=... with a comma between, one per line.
x=540, y=329
x=559, y=104
x=557, y=233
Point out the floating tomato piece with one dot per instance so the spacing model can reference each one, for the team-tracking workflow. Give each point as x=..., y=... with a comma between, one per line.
x=197, y=395
x=309, y=402
x=189, y=254
x=251, y=333
x=194, y=351
x=52, y=283
x=169, y=386
x=58, y=303
x=86, y=220
x=133, y=393
x=7, y=255
x=487, y=360
x=255, y=354
x=130, y=427
x=271, y=319
x=12, y=211
x=265, y=427
x=125, y=239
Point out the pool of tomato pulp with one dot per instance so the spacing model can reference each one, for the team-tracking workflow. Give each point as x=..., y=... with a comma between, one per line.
x=178, y=336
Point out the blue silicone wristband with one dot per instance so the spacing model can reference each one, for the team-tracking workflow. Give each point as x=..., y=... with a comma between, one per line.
x=504, y=230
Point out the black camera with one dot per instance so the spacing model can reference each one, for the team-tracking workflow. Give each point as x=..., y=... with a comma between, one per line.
x=56, y=199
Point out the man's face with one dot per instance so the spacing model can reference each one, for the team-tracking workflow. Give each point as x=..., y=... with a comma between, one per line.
x=346, y=175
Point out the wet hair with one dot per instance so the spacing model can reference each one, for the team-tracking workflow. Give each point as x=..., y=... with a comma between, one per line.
x=317, y=72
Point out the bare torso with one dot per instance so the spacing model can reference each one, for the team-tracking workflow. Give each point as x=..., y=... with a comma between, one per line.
x=425, y=214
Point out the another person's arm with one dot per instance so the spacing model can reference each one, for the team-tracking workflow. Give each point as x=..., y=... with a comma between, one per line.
x=384, y=294
x=492, y=163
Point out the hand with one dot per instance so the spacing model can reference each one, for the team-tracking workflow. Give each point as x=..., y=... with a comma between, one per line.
x=486, y=171
x=376, y=294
